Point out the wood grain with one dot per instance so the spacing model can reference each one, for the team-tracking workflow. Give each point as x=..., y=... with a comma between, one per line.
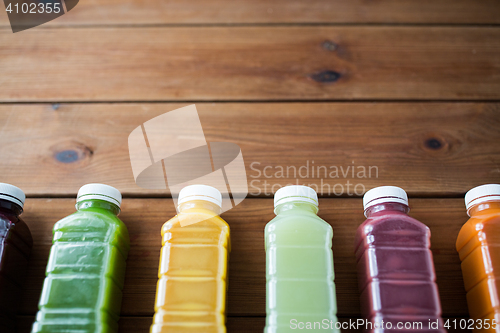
x=250, y=63
x=430, y=149
x=326, y=83
x=144, y=218
x=130, y=12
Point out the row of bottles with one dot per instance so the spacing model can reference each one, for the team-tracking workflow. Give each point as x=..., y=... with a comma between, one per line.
x=85, y=273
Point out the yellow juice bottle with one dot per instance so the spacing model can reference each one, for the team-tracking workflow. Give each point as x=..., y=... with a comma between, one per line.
x=191, y=291
x=478, y=245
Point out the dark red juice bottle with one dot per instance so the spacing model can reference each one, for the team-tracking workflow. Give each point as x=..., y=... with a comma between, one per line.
x=396, y=272
x=15, y=248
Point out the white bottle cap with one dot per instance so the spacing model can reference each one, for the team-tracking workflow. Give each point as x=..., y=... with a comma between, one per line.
x=295, y=193
x=481, y=194
x=100, y=192
x=384, y=194
x=12, y=193
x=200, y=192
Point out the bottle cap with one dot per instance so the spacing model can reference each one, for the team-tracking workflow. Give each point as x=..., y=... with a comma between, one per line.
x=481, y=194
x=200, y=192
x=12, y=193
x=295, y=193
x=100, y=192
x=384, y=194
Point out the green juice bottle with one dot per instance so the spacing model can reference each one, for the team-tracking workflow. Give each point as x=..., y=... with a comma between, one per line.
x=299, y=265
x=85, y=273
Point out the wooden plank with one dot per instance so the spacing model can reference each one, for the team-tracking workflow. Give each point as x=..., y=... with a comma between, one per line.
x=246, y=297
x=430, y=149
x=250, y=63
x=129, y=12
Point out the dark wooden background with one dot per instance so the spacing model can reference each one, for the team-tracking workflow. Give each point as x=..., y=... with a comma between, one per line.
x=411, y=87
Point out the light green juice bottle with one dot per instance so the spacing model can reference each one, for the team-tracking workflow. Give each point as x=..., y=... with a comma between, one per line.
x=299, y=265
x=83, y=288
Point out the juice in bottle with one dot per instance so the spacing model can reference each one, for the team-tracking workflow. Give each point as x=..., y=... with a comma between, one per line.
x=15, y=248
x=478, y=245
x=82, y=290
x=396, y=272
x=299, y=265
x=191, y=291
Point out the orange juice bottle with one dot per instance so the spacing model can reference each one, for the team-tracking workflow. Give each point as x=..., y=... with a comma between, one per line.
x=478, y=244
x=191, y=291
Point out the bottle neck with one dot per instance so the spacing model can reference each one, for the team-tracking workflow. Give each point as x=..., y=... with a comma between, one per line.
x=386, y=207
x=95, y=203
x=296, y=205
x=476, y=209
x=10, y=208
x=187, y=206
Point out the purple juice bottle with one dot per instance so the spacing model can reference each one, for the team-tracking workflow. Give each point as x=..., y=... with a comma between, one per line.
x=396, y=273
x=15, y=248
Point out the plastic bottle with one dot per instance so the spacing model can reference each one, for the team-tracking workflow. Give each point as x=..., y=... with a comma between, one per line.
x=85, y=273
x=478, y=245
x=15, y=248
x=299, y=265
x=396, y=272
x=191, y=291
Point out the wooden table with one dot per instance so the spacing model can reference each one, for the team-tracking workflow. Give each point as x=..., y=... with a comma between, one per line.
x=410, y=88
